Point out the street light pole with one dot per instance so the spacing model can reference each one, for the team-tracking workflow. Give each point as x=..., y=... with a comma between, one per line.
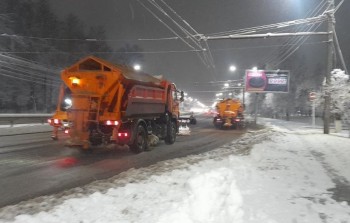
x=256, y=108
x=330, y=64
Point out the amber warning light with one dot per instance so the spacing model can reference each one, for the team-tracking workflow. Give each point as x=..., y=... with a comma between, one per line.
x=75, y=81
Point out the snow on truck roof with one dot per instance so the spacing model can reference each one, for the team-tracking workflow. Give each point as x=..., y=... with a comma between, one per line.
x=92, y=63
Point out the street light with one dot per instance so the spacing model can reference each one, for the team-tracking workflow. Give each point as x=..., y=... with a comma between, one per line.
x=137, y=67
x=232, y=68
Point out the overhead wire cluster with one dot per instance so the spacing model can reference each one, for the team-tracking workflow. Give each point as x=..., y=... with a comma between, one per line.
x=282, y=54
x=190, y=37
x=276, y=26
x=313, y=20
x=29, y=71
x=182, y=29
x=186, y=33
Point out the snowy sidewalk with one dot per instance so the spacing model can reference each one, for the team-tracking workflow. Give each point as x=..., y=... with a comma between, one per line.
x=282, y=174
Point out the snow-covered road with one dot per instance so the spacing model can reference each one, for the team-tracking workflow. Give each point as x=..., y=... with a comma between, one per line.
x=284, y=173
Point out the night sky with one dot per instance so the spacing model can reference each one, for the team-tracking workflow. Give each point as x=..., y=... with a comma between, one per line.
x=127, y=21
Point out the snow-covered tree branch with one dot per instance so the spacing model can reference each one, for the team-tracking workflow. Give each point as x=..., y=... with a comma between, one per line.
x=339, y=90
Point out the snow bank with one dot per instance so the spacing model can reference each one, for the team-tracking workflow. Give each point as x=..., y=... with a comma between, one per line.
x=184, y=131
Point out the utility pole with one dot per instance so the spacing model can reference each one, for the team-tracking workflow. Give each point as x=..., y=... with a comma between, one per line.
x=330, y=58
x=330, y=65
x=256, y=108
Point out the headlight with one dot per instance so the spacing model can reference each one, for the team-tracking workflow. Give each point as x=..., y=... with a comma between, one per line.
x=68, y=101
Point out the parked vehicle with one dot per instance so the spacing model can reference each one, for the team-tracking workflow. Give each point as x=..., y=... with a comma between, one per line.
x=188, y=118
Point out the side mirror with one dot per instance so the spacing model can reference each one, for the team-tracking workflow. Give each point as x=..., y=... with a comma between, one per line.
x=182, y=96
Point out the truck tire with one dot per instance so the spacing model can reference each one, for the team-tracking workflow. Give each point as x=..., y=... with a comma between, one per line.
x=171, y=133
x=140, y=143
x=216, y=124
x=193, y=121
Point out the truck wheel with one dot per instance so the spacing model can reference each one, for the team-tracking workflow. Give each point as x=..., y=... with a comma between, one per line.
x=193, y=121
x=217, y=125
x=171, y=133
x=140, y=142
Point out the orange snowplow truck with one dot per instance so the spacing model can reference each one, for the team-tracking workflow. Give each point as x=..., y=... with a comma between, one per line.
x=229, y=114
x=106, y=103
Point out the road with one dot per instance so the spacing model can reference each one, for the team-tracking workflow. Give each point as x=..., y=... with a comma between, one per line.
x=33, y=165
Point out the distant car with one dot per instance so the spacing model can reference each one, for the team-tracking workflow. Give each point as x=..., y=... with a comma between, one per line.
x=211, y=113
x=188, y=119
x=193, y=120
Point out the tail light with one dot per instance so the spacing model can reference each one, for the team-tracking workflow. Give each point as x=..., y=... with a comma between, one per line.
x=54, y=122
x=123, y=134
x=112, y=123
x=123, y=137
x=66, y=131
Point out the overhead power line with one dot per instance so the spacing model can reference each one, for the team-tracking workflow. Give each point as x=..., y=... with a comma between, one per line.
x=6, y=74
x=165, y=24
x=178, y=26
x=317, y=19
x=27, y=63
x=281, y=55
x=267, y=35
x=29, y=73
x=159, y=52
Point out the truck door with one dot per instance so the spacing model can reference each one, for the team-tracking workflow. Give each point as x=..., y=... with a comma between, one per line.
x=174, y=101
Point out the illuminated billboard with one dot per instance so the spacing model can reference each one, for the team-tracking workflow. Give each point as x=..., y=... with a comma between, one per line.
x=275, y=81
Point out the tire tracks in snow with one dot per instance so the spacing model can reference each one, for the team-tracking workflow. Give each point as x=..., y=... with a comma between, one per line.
x=242, y=147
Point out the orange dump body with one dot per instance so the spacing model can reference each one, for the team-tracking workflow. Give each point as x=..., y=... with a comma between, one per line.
x=230, y=108
x=103, y=95
x=230, y=113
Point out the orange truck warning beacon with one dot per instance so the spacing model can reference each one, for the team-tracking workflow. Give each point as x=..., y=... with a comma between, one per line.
x=103, y=103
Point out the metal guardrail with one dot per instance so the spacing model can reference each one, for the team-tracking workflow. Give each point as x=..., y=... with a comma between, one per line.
x=13, y=119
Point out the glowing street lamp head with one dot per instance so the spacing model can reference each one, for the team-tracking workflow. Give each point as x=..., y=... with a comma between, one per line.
x=137, y=67
x=232, y=68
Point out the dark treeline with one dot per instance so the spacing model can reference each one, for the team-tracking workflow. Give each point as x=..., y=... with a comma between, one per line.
x=35, y=45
